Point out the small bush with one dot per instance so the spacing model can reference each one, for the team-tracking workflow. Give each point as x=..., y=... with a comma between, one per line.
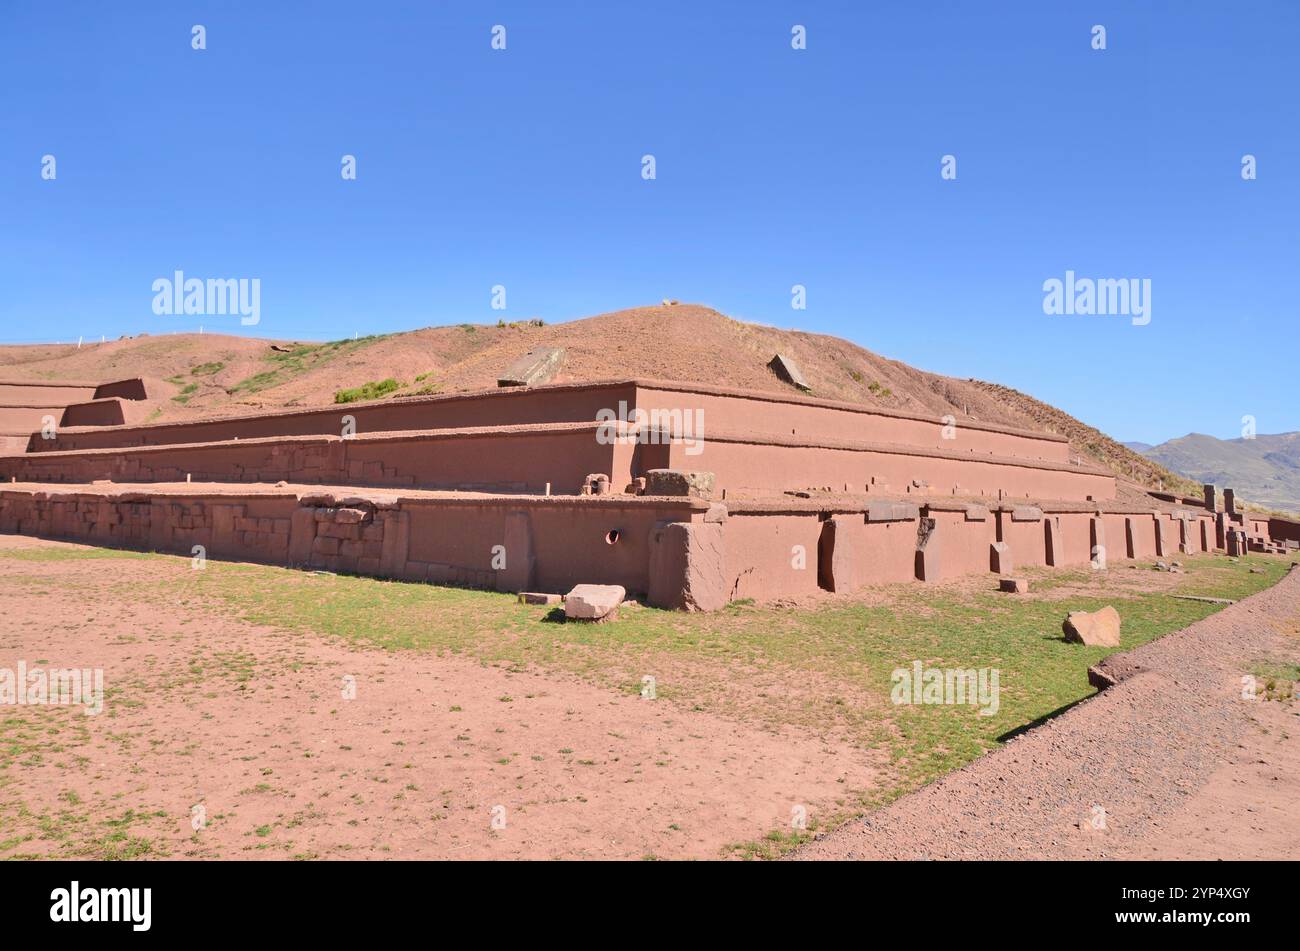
x=367, y=391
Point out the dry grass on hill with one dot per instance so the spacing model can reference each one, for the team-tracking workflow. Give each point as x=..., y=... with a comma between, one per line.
x=207, y=374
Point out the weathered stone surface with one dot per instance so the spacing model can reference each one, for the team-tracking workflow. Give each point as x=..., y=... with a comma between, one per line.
x=928, y=556
x=520, y=568
x=1095, y=628
x=534, y=367
x=687, y=566
x=678, y=482
x=1000, y=558
x=892, y=512
x=1114, y=669
x=590, y=602
x=835, y=555
x=1026, y=513
x=1013, y=585
x=977, y=513
x=788, y=370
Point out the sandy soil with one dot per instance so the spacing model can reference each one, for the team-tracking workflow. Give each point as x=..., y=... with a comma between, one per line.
x=251, y=723
x=1172, y=763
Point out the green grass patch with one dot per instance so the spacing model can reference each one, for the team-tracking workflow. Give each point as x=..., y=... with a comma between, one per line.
x=368, y=391
x=207, y=369
x=285, y=366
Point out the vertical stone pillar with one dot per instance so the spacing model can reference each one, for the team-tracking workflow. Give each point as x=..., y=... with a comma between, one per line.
x=1097, y=541
x=687, y=567
x=521, y=559
x=928, y=560
x=1210, y=502
x=1230, y=501
x=1053, y=552
x=835, y=554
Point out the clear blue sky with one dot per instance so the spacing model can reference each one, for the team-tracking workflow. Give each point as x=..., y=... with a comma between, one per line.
x=819, y=167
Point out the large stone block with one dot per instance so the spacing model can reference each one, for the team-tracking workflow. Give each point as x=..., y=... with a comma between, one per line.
x=835, y=554
x=892, y=512
x=1054, y=551
x=928, y=560
x=591, y=602
x=678, y=482
x=1095, y=628
x=1097, y=541
x=1000, y=558
x=535, y=367
x=687, y=566
x=520, y=559
x=788, y=370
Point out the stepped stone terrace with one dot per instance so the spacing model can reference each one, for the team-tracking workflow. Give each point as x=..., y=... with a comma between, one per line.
x=688, y=495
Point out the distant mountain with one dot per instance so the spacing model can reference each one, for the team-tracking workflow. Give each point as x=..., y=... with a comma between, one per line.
x=1264, y=470
x=1141, y=447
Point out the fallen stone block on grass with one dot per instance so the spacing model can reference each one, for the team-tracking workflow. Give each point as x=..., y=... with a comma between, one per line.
x=538, y=597
x=1013, y=585
x=591, y=602
x=1095, y=628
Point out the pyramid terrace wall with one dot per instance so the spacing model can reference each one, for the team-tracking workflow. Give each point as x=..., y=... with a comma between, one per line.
x=527, y=458
x=507, y=459
x=25, y=406
x=661, y=546
x=663, y=404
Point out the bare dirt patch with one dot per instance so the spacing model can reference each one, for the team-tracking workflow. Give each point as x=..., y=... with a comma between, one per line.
x=249, y=722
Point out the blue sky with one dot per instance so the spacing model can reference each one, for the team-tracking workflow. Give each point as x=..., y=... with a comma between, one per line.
x=775, y=167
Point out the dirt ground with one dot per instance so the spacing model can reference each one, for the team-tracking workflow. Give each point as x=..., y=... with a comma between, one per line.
x=444, y=757
x=251, y=724
x=1173, y=763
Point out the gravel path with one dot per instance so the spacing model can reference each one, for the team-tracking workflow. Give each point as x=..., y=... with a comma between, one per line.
x=1171, y=763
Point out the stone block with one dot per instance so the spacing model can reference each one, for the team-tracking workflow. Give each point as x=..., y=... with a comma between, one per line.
x=892, y=512
x=679, y=482
x=687, y=566
x=520, y=559
x=1013, y=585
x=591, y=602
x=1000, y=558
x=787, y=370
x=533, y=368
x=537, y=597
x=1093, y=628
